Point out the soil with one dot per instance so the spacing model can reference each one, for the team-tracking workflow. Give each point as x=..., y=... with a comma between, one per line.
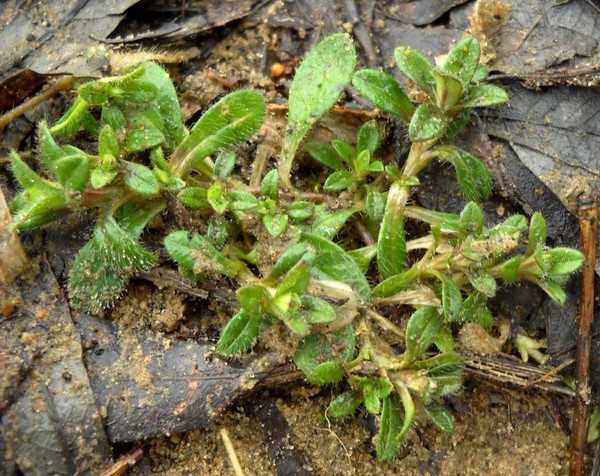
x=503, y=432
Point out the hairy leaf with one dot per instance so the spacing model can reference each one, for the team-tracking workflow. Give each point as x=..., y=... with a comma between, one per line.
x=384, y=92
x=239, y=334
x=463, y=60
x=232, y=120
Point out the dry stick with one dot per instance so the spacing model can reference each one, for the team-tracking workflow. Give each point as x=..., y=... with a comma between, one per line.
x=61, y=85
x=588, y=222
x=233, y=459
x=124, y=463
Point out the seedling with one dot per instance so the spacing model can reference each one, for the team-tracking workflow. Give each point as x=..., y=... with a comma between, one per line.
x=330, y=296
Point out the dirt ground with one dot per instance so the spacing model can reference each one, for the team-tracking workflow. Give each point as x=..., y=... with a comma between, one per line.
x=504, y=432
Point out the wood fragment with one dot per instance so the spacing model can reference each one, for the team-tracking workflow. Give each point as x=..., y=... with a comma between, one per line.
x=588, y=222
x=62, y=84
x=124, y=463
x=13, y=260
x=235, y=462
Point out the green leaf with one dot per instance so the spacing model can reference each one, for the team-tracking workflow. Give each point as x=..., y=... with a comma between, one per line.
x=480, y=73
x=416, y=67
x=326, y=373
x=92, y=295
x=374, y=390
x=563, y=261
x=327, y=224
x=167, y=102
x=198, y=255
x=361, y=163
x=232, y=120
x=471, y=221
x=483, y=282
x=332, y=262
x=68, y=125
x=218, y=231
x=276, y=224
x=369, y=136
x=537, y=233
x=241, y=201
x=113, y=116
x=73, y=172
x=239, y=334
x=451, y=298
x=95, y=92
x=427, y=123
x=133, y=216
x=325, y=155
x=108, y=144
x=445, y=221
x=318, y=361
x=100, y=178
x=50, y=151
x=216, y=196
x=339, y=181
x=440, y=416
x=363, y=256
x=300, y=210
x=345, y=404
x=254, y=299
x=269, y=186
x=421, y=331
x=319, y=82
x=26, y=177
x=140, y=179
x=389, y=437
x=376, y=166
x=374, y=203
x=295, y=280
x=473, y=177
x=448, y=90
x=554, y=290
x=391, y=242
x=224, y=164
x=463, y=60
x=289, y=259
x=103, y=266
x=194, y=197
x=344, y=150
x=144, y=131
x=384, y=92
x=395, y=284
x=138, y=91
x=317, y=311
x=510, y=269
x=482, y=95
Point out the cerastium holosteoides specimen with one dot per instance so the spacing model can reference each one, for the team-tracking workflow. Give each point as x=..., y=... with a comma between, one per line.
x=326, y=294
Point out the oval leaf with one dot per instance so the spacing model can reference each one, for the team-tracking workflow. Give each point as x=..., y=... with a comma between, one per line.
x=384, y=92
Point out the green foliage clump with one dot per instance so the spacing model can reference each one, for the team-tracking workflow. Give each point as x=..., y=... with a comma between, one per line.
x=325, y=293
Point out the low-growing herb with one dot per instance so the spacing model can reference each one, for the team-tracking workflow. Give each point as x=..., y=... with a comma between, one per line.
x=332, y=295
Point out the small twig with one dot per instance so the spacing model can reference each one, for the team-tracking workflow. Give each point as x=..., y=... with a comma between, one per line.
x=61, y=85
x=124, y=463
x=235, y=462
x=551, y=372
x=588, y=222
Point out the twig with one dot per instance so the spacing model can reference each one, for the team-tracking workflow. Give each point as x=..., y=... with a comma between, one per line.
x=124, y=463
x=235, y=462
x=588, y=222
x=60, y=85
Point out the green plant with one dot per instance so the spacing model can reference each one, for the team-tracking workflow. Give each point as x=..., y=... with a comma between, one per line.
x=279, y=244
